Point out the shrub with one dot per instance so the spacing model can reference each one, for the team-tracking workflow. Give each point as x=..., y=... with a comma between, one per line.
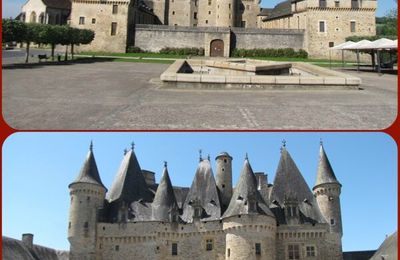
x=134, y=49
x=182, y=51
x=287, y=52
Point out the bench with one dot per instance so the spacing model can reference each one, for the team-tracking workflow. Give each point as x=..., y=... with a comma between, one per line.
x=42, y=57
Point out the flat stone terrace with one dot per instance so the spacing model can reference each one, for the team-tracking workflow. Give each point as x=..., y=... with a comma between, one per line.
x=316, y=77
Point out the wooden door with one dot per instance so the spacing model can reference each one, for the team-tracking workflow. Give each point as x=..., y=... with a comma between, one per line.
x=217, y=48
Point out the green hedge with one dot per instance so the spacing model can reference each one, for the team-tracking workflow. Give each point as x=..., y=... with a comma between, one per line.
x=287, y=52
x=183, y=51
x=134, y=49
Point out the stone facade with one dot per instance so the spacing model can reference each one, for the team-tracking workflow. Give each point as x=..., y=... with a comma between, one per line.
x=45, y=12
x=326, y=23
x=255, y=220
x=112, y=22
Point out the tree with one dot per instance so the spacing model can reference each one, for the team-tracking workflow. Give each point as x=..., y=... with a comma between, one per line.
x=32, y=35
x=51, y=34
x=13, y=30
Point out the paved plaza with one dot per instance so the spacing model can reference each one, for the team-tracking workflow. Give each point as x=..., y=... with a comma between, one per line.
x=130, y=96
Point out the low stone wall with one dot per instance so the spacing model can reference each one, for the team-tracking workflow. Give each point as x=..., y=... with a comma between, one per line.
x=155, y=37
x=246, y=38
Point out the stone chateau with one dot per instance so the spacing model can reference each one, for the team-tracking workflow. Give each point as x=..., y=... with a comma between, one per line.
x=140, y=219
x=217, y=26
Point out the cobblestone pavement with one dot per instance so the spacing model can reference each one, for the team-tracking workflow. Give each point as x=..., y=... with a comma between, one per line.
x=130, y=96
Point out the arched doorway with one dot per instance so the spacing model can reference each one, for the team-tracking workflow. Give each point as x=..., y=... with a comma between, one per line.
x=32, y=19
x=217, y=48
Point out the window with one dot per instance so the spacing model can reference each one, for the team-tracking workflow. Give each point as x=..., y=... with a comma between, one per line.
x=258, y=249
x=310, y=251
x=294, y=251
x=322, y=3
x=209, y=2
x=174, y=249
x=209, y=244
x=86, y=225
x=117, y=248
x=228, y=252
x=354, y=4
x=69, y=225
x=248, y=7
x=243, y=24
x=229, y=8
x=331, y=44
x=93, y=20
x=195, y=15
x=337, y=3
x=115, y=9
x=173, y=12
x=206, y=21
x=322, y=26
x=195, y=2
x=332, y=222
x=113, y=28
x=81, y=20
x=209, y=12
x=352, y=26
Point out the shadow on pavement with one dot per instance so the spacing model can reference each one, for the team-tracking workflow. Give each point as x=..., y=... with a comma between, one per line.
x=55, y=63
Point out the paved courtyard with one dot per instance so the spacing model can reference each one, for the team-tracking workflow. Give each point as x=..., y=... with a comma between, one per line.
x=129, y=96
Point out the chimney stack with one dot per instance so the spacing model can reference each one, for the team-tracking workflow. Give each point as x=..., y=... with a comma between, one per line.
x=27, y=239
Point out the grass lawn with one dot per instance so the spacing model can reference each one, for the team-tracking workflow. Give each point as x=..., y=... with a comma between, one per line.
x=169, y=58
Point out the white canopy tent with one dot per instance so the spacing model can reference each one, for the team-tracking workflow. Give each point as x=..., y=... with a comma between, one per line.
x=375, y=46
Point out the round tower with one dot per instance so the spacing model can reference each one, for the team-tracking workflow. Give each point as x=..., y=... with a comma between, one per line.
x=250, y=237
x=87, y=196
x=327, y=191
x=225, y=13
x=224, y=177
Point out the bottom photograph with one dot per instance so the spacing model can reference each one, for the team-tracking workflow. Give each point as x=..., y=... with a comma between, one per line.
x=194, y=195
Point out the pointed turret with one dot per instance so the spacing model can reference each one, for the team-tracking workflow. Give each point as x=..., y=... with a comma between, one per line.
x=246, y=199
x=202, y=201
x=325, y=172
x=289, y=181
x=327, y=191
x=89, y=172
x=164, y=206
x=129, y=184
x=87, y=198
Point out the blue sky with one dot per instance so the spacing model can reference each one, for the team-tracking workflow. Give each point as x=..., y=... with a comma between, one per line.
x=11, y=8
x=37, y=168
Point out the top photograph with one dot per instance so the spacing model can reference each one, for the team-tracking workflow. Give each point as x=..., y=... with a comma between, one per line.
x=199, y=64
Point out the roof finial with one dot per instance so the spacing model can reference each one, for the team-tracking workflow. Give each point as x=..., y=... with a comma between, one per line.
x=133, y=146
x=91, y=146
x=165, y=164
x=320, y=142
x=208, y=157
x=283, y=143
x=247, y=157
x=200, y=156
x=125, y=151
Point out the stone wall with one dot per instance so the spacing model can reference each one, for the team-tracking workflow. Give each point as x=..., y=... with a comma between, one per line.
x=263, y=38
x=154, y=38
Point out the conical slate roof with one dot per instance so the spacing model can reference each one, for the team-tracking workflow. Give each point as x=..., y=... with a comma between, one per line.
x=388, y=249
x=129, y=184
x=164, y=199
x=289, y=182
x=246, y=199
x=325, y=172
x=89, y=172
x=204, y=191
